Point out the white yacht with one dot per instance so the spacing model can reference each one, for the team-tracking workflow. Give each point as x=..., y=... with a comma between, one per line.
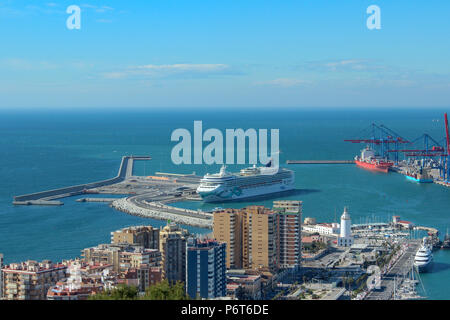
x=249, y=182
x=424, y=257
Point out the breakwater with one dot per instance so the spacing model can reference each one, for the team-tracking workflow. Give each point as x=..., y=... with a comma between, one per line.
x=162, y=213
x=125, y=171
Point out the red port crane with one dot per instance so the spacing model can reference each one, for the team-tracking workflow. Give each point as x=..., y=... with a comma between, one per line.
x=448, y=146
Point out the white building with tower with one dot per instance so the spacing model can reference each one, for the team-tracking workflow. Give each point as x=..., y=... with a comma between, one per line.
x=345, y=238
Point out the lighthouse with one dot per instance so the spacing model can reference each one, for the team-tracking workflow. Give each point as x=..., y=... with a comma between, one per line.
x=345, y=237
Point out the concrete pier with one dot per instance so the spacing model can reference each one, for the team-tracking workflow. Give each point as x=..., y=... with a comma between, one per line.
x=442, y=183
x=398, y=270
x=108, y=200
x=125, y=171
x=161, y=211
x=38, y=203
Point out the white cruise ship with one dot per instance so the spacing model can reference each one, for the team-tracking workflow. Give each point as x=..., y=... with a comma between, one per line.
x=249, y=182
x=424, y=257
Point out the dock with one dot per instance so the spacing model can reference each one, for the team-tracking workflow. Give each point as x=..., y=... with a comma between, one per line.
x=442, y=183
x=399, y=269
x=107, y=200
x=38, y=203
x=320, y=162
x=48, y=197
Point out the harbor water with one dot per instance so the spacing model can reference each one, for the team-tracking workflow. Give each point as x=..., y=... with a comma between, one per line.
x=50, y=149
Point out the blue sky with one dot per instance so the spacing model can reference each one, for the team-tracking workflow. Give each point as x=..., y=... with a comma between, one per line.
x=214, y=53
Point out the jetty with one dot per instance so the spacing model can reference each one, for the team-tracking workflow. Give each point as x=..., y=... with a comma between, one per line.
x=320, y=162
x=159, y=210
x=48, y=197
x=398, y=270
x=107, y=200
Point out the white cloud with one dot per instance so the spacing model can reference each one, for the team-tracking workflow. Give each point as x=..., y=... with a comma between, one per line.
x=345, y=65
x=166, y=70
x=99, y=9
x=284, y=82
x=23, y=64
x=104, y=20
x=184, y=67
x=114, y=75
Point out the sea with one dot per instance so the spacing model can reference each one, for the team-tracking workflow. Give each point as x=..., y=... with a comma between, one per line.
x=46, y=149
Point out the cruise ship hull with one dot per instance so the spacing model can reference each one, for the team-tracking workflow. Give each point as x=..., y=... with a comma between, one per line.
x=223, y=195
x=373, y=167
x=424, y=267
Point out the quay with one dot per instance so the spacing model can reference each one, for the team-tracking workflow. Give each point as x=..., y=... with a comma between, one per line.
x=109, y=200
x=320, y=162
x=38, y=203
x=398, y=270
x=46, y=197
x=442, y=183
x=137, y=206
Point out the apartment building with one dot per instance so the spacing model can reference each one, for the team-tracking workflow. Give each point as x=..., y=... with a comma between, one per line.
x=290, y=221
x=205, y=268
x=145, y=236
x=30, y=280
x=252, y=237
x=172, y=245
x=227, y=227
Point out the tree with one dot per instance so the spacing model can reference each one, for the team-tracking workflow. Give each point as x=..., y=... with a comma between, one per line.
x=122, y=292
x=160, y=291
x=165, y=291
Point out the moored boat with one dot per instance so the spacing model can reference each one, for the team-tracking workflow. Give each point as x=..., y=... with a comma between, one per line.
x=422, y=176
x=423, y=259
x=370, y=161
x=446, y=242
x=248, y=183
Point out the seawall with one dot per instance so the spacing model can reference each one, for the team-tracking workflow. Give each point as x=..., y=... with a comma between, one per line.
x=126, y=206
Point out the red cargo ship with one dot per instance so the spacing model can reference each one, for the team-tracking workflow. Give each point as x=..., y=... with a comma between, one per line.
x=370, y=161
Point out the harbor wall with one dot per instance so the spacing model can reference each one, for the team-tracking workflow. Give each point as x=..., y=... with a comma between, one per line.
x=126, y=206
x=78, y=189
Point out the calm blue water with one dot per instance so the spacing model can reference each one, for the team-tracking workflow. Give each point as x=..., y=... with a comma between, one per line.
x=43, y=150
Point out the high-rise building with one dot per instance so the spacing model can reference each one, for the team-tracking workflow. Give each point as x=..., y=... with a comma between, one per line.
x=172, y=245
x=290, y=215
x=138, y=257
x=261, y=239
x=345, y=238
x=103, y=254
x=205, y=268
x=252, y=234
x=227, y=227
x=145, y=236
x=30, y=280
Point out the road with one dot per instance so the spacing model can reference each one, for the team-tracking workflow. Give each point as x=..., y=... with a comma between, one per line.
x=387, y=282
